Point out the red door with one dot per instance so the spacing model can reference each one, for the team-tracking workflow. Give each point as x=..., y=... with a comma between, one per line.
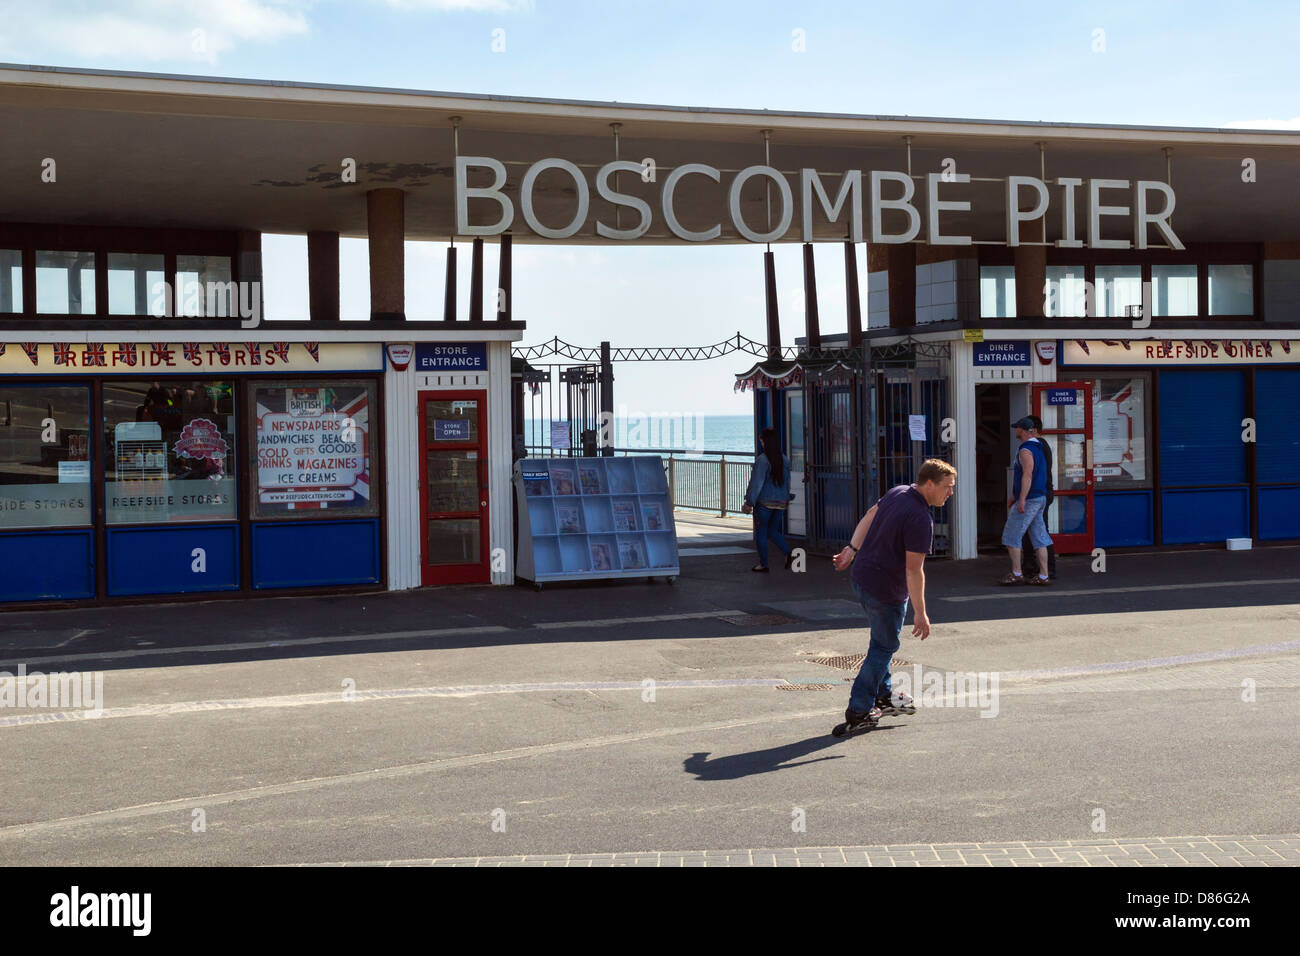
x=453, y=488
x=1066, y=411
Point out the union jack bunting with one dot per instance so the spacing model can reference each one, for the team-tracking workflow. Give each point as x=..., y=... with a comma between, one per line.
x=161, y=352
x=223, y=352
x=33, y=351
x=63, y=354
x=313, y=349
x=2, y=348
x=254, y=353
x=93, y=354
x=280, y=350
x=124, y=354
x=192, y=352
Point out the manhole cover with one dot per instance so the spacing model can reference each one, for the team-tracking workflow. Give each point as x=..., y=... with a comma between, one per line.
x=851, y=662
x=805, y=686
x=758, y=620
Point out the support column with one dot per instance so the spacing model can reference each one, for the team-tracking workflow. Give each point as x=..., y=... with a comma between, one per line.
x=853, y=298
x=323, y=276
x=386, y=233
x=902, y=285
x=476, y=281
x=965, y=503
x=505, y=294
x=773, y=313
x=248, y=249
x=812, y=320
x=1031, y=279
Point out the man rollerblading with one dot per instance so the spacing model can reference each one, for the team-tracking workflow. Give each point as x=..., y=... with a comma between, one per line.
x=887, y=553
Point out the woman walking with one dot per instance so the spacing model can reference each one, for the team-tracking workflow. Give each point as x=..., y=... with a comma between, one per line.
x=768, y=497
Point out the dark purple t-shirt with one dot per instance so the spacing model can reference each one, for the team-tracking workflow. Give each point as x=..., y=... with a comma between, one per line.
x=902, y=523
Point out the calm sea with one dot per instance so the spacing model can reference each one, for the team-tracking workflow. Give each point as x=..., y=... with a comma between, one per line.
x=688, y=433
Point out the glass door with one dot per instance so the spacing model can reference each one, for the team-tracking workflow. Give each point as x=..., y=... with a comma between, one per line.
x=1066, y=411
x=453, y=488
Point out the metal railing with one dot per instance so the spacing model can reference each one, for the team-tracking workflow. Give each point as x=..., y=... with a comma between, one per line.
x=712, y=481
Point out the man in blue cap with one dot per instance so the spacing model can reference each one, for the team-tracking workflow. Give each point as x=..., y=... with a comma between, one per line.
x=1025, y=513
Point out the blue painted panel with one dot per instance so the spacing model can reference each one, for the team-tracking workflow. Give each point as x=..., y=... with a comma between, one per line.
x=47, y=565
x=1123, y=519
x=1200, y=516
x=315, y=553
x=162, y=561
x=1277, y=392
x=1200, y=428
x=1279, y=513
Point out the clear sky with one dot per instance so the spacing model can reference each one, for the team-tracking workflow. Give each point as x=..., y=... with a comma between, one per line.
x=1151, y=63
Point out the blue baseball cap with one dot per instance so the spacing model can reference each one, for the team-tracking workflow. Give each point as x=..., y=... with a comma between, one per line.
x=1026, y=423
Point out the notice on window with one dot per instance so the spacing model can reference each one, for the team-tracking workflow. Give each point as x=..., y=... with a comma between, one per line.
x=312, y=448
x=560, y=435
x=916, y=426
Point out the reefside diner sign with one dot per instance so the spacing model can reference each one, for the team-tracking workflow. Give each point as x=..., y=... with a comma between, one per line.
x=1142, y=196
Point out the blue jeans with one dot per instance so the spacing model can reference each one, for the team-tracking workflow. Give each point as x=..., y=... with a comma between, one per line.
x=886, y=623
x=767, y=525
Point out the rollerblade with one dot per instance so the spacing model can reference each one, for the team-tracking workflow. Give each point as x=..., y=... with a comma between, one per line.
x=856, y=721
x=898, y=703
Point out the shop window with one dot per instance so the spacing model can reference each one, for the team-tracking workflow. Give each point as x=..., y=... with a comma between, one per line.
x=169, y=451
x=997, y=292
x=313, y=446
x=1173, y=290
x=135, y=284
x=1066, y=295
x=1119, y=291
x=11, y=280
x=44, y=456
x=1232, y=290
x=65, y=283
x=204, y=287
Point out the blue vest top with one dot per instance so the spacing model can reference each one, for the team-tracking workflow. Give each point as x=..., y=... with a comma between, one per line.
x=1038, y=481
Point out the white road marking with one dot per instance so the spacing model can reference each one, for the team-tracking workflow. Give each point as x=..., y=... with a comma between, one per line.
x=256, y=645
x=336, y=697
x=617, y=621
x=1025, y=590
x=186, y=804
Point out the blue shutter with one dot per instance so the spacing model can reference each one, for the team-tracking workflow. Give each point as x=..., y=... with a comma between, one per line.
x=1277, y=449
x=1200, y=428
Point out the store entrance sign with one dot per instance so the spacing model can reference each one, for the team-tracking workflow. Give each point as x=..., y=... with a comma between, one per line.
x=992, y=354
x=451, y=357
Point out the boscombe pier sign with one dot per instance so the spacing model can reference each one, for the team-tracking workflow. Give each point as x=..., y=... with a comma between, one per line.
x=1144, y=196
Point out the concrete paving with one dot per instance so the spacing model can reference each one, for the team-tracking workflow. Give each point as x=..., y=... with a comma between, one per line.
x=1155, y=700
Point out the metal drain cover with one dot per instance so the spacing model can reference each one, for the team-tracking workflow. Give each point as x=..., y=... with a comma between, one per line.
x=851, y=662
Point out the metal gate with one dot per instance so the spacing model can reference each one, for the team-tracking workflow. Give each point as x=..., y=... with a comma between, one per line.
x=909, y=382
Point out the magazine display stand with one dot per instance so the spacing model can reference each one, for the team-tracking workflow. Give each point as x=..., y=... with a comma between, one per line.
x=588, y=518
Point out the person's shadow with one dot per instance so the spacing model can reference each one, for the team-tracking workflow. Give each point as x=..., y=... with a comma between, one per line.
x=766, y=761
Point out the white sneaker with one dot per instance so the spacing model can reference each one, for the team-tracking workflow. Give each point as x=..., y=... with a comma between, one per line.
x=899, y=703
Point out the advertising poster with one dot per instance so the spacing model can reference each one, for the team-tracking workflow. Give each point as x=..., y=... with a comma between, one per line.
x=313, y=447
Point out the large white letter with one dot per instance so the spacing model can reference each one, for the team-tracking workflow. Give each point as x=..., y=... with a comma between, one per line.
x=904, y=203
x=933, y=236
x=1096, y=210
x=1014, y=216
x=1161, y=219
x=464, y=194
x=787, y=203
x=526, y=198
x=1067, y=240
x=850, y=184
x=621, y=199
x=670, y=217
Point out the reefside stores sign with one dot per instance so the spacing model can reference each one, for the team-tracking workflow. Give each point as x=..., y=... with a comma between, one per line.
x=1145, y=203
